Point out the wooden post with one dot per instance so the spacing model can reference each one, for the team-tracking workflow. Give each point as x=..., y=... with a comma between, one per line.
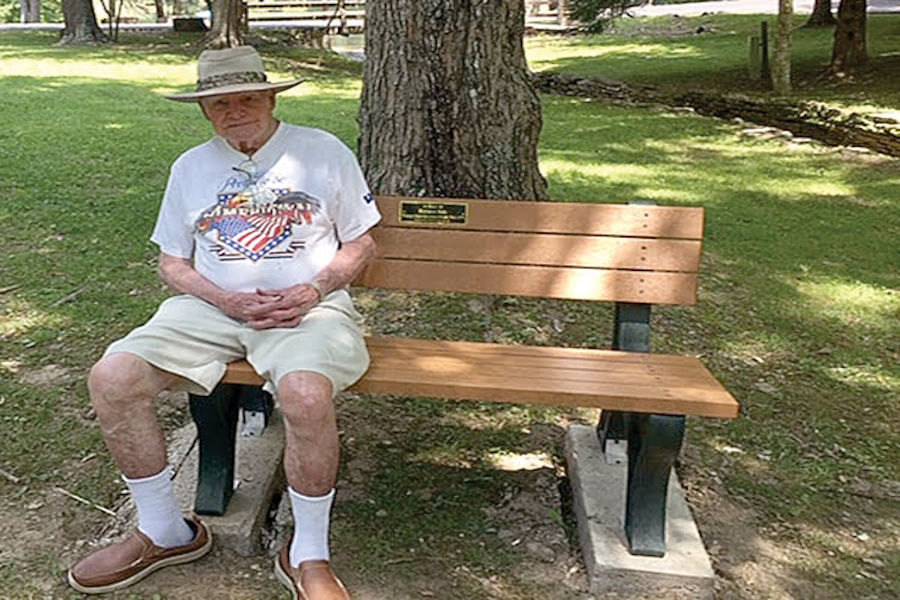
x=755, y=63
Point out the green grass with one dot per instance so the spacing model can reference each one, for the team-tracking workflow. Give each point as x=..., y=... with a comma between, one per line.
x=668, y=52
x=798, y=311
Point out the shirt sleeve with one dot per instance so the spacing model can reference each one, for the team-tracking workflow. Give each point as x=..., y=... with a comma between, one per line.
x=355, y=209
x=172, y=233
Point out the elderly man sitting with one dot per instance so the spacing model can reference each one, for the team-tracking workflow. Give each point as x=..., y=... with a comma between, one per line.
x=261, y=229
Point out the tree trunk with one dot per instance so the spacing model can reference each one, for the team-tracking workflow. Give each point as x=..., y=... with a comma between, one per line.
x=81, y=23
x=821, y=15
x=448, y=107
x=160, y=11
x=781, y=66
x=227, y=28
x=30, y=11
x=849, y=51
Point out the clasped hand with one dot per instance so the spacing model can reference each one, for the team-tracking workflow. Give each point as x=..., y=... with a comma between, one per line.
x=267, y=309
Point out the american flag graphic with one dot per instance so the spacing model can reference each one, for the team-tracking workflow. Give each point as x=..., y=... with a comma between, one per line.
x=254, y=235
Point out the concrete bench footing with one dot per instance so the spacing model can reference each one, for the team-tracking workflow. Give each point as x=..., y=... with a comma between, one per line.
x=599, y=502
x=260, y=474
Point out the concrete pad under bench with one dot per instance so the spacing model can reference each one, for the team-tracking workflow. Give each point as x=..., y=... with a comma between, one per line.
x=599, y=501
x=259, y=471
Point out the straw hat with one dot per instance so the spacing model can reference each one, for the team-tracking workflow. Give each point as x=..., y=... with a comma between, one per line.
x=228, y=71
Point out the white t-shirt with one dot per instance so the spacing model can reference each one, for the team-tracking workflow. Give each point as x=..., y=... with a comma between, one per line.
x=268, y=222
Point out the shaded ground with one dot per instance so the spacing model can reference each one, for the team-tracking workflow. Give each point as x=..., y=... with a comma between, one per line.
x=521, y=547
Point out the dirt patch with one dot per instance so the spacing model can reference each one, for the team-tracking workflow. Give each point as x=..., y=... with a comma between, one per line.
x=47, y=377
x=51, y=528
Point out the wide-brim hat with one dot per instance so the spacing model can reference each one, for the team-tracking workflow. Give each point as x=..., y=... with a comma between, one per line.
x=229, y=71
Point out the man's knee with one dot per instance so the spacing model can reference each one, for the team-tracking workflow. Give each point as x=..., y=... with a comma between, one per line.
x=121, y=375
x=304, y=396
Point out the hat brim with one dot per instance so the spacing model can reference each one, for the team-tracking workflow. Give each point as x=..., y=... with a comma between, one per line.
x=233, y=89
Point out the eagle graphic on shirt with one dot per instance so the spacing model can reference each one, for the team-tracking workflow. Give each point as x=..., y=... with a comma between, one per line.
x=253, y=223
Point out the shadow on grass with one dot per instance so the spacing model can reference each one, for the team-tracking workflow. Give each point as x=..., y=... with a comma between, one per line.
x=712, y=52
x=423, y=505
x=797, y=316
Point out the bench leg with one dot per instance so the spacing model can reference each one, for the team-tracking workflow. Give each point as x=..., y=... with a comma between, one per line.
x=216, y=417
x=256, y=410
x=631, y=327
x=612, y=432
x=653, y=445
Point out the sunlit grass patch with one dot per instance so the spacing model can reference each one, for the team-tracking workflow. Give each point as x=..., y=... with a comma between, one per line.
x=853, y=302
x=797, y=314
x=19, y=317
x=712, y=52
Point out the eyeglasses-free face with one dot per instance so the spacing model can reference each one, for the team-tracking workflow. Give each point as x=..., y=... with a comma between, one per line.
x=245, y=119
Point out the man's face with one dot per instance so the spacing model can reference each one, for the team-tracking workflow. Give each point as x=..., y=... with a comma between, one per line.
x=244, y=119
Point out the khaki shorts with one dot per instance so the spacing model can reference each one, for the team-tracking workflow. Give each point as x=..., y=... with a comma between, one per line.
x=195, y=340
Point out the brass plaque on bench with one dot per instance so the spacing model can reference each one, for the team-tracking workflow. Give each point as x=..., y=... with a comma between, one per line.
x=434, y=213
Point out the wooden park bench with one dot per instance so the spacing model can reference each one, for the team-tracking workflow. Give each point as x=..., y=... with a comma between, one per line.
x=634, y=255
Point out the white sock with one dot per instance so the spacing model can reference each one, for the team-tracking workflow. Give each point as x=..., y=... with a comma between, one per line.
x=312, y=517
x=159, y=517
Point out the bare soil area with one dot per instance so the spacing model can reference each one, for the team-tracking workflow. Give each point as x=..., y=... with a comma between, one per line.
x=47, y=535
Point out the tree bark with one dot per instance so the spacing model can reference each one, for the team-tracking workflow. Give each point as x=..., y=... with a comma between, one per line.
x=227, y=29
x=821, y=15
x=849, y=53
x=30, y=11
x=448, y=107
x=81, y=23
x=781, y=65
x=160, y=11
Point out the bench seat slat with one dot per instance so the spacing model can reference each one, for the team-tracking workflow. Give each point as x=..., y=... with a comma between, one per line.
x=522, y=353
x=648, y=399
x=546, y=282
x=538, y=249
x=562, y=370
x=680, y=222
x=468, y=371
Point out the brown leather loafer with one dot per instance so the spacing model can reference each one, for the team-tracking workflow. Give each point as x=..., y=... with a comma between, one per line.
x=312, y=580
x=122, y=564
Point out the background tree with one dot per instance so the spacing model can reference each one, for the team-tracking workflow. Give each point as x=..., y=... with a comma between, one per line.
x=227, y=28
x=448, y=107
x=821, y=15
x=160, y=11
x=113, y=10
x=781, y=65
x=849, y=52
x=30, y=11
x=81, y=23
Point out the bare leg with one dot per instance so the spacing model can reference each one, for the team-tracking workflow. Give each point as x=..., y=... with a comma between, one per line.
x=123, y=388
x=310, y=464
x=311, y=446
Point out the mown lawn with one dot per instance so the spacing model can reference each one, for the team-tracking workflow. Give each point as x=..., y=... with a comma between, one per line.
x=798, y=316
x=712, y=52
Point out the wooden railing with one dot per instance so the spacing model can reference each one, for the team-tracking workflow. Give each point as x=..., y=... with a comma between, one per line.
x=538, y=13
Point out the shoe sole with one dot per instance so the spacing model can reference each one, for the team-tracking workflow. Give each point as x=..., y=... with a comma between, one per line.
x=285, y=579
x=166, y=562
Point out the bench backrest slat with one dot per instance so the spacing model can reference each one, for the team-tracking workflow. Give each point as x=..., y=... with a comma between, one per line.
x=634, y=220
x=622, y=253
x=514, y=280
x=595, y=252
